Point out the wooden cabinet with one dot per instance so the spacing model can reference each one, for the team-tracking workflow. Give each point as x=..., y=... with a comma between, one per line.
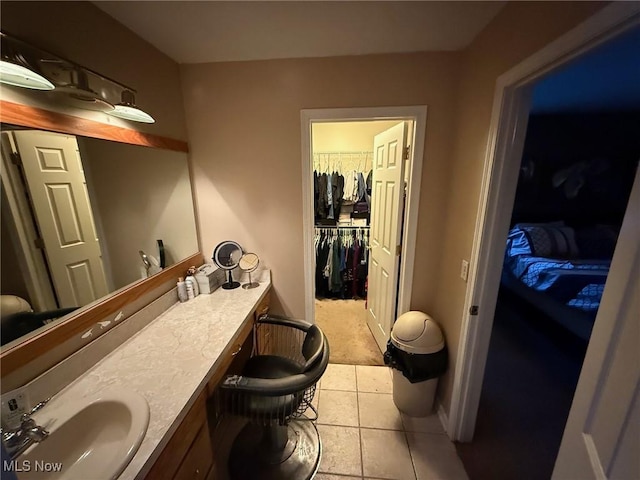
x=263, y=306
x=198, y=460
x=194, y=425
x=191, y=451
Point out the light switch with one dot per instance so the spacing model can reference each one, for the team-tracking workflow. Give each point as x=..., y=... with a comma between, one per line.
x=464, y=270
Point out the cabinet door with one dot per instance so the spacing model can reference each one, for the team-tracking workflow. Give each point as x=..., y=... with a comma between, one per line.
x=197, y=462
x=171, y=458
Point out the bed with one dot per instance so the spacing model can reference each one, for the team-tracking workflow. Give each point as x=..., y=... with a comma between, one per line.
x=560, y=270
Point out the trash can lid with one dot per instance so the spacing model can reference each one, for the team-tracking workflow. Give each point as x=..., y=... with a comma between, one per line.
x=417, y=332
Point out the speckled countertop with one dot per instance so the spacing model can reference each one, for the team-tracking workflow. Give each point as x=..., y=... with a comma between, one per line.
x=169, y=361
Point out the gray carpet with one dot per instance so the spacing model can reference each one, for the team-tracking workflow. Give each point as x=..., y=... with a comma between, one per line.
x=344, y=322
x=531, y=374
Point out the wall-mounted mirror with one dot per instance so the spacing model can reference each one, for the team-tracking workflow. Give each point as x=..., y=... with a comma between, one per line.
x=76, y=212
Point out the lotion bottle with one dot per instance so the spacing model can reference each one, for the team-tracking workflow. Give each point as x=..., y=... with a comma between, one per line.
x=191, y=281
x=182, y=290
x=190, y=294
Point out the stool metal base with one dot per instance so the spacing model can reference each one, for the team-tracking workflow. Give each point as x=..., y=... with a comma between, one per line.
x=252, y=455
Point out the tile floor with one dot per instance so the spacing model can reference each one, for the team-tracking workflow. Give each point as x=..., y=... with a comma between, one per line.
x=365, y=436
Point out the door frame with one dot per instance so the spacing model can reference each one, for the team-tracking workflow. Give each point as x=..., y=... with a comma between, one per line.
x=500, y=172
x=15, y=205
x=417, y=114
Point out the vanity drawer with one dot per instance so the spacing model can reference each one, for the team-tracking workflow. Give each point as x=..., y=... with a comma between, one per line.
x=197, y=462
x=263, y=306
x=236, y=354
x=239, y=351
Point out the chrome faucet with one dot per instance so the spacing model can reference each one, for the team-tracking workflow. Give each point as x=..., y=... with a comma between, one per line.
x=17, y=440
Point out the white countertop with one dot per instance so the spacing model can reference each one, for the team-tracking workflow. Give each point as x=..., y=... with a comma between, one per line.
x=169, y=361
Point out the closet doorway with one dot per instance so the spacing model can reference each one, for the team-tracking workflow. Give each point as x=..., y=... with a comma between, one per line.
x=358, y=181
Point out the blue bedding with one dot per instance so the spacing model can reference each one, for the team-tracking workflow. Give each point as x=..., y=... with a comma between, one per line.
x=578, y=283
x=588, y=299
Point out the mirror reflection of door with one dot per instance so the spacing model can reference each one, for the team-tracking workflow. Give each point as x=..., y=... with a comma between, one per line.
x=60, y=202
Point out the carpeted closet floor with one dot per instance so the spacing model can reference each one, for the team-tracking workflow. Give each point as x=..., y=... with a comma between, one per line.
x=344, y=322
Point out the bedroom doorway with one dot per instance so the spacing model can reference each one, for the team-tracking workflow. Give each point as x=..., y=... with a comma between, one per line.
x=503, y=161
x=572, y=193
x=350, y=148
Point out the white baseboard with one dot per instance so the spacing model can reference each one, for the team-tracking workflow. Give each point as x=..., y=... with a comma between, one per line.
x=442, y=415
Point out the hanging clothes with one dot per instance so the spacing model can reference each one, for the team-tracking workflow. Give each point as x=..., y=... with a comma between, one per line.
x=340, y=180
x=341, y=264
x=350, y=186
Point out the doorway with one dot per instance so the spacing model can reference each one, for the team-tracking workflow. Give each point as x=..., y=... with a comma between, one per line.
x=499, y=189
x=578, y=163
x=350, y=303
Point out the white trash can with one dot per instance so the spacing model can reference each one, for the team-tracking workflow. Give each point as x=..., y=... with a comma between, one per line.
x=418, y=356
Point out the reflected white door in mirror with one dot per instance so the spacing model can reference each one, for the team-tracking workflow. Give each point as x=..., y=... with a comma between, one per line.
x=76, y=212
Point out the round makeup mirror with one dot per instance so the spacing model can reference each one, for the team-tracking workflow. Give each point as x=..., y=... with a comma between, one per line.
x=227, y=255
x=249, y=262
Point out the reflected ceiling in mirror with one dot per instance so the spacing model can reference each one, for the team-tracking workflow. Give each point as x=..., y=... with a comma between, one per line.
x=76, y=212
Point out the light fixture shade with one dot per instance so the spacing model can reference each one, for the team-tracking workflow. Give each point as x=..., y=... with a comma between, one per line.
x=127, y=109
x=131, y=113
x=19, y=76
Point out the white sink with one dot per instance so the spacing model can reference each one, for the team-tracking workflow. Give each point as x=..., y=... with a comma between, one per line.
x=94, y=438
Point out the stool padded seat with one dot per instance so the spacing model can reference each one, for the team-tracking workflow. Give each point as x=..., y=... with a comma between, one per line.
x=270, y=366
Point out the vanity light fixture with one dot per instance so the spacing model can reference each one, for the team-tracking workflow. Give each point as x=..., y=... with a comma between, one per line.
x=78, y=92
x=25, y=65
x=127, y=109
x=16, y=70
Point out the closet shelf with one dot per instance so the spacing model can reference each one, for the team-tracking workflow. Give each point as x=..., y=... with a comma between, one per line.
x=347, y=160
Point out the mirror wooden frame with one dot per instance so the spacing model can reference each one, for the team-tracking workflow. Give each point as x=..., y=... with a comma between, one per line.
x=21, y=115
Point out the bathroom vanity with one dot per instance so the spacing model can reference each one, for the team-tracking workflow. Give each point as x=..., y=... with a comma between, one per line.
x=190, y=452
x=175, y=363
x=135, y=342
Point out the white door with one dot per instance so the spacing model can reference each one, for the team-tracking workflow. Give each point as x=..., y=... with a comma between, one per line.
x=58, y=191
x=602, y=436
x=387, y=193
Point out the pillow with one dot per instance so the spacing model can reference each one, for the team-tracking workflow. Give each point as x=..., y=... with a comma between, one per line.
x=518, y=242
x=552, y=241
x=542, y=240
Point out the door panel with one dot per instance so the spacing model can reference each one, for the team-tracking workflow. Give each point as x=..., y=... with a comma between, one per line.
x=386, y=225
x=601, y=437
x=58, y=193
x=64, y=214
x=80, y=277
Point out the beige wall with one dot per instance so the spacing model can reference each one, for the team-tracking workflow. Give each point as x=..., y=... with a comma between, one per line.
x=82, y=33
x=519, y=30
x=139, y=195
x=347, y=136
x=244, y=132
x=244, y=126
x=11, y=277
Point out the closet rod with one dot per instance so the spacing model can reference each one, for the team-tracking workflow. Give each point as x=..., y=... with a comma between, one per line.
x=366, y=152
x=364, y=227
